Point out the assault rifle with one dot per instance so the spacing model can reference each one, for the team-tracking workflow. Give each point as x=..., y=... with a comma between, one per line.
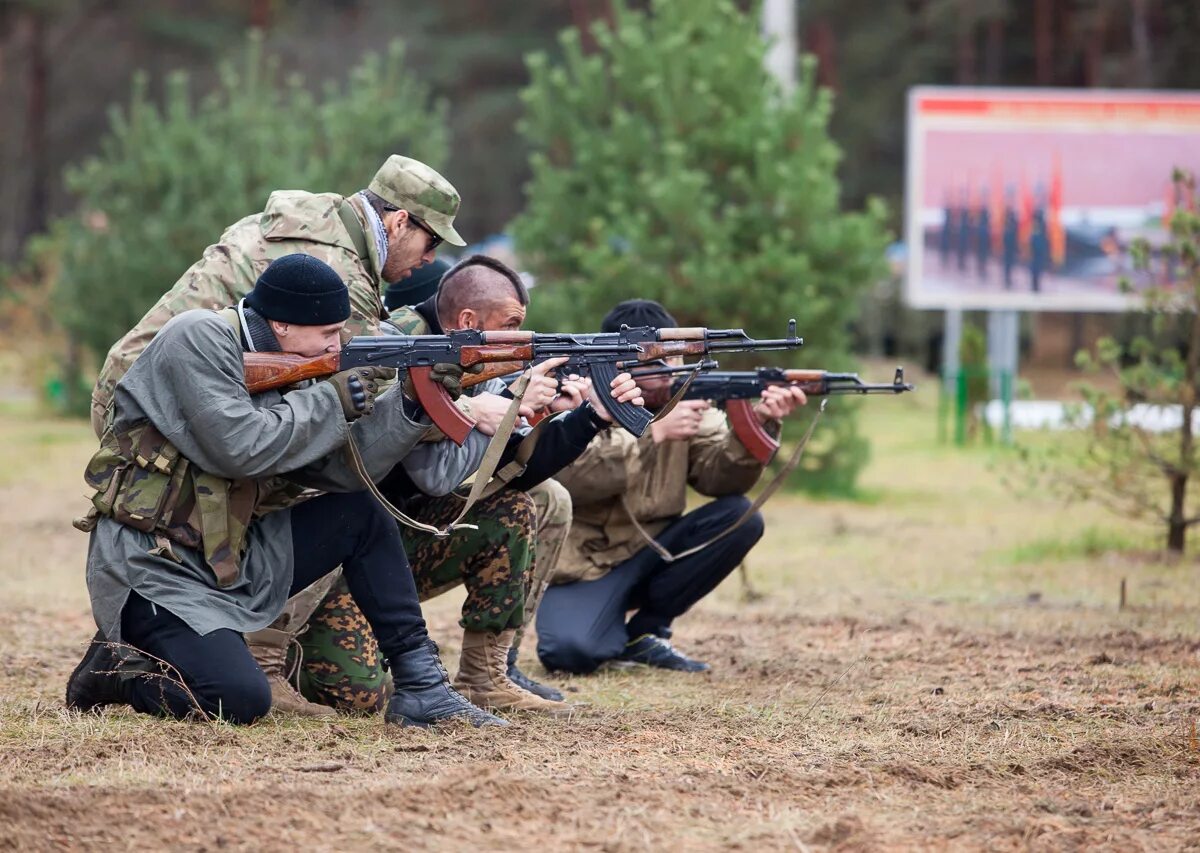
x=601, y=356
x=734, y=390
x=658, y=367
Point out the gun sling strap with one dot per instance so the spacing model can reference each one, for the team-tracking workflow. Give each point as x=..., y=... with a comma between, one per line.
x=487, y=466
x=770, y=489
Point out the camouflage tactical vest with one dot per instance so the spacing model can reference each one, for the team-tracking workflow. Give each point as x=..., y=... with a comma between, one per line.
x=143, y=481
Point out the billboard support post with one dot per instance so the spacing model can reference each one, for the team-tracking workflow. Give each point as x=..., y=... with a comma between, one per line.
x=952, y=320
x=1003, y=339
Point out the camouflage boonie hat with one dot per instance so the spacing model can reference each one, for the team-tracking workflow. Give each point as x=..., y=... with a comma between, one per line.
x=411, y=185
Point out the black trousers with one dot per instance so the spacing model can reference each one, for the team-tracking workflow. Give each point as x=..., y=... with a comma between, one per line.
x=348, y=530
x=580, y=625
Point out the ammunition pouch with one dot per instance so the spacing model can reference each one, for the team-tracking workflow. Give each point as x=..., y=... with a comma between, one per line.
x=141, y=480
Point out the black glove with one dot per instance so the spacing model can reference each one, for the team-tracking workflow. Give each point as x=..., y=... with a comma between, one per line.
x=357, y=388
x=446, y=374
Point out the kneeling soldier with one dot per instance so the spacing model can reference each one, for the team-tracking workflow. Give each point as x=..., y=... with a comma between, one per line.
x=197, y=535
x=625, y=490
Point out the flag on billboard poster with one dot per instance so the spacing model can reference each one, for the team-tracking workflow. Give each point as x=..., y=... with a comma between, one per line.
x=1030, y=199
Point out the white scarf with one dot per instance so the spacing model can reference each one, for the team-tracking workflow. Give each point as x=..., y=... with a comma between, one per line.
x=381, y=243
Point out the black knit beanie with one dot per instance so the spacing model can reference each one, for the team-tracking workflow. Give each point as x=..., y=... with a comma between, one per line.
x=637, y=312
x=300, y=289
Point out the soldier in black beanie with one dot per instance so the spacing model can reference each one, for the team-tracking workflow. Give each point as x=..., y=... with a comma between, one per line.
x=637, y=312
x=200, y=535
x=300, y=289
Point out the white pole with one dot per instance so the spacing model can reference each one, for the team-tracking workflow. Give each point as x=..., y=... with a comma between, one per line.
x=779, y=29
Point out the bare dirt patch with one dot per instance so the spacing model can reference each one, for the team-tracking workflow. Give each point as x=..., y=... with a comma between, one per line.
x=897, y=688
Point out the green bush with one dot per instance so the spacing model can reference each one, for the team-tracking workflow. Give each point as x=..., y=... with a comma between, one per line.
x=669, y=165
x=168, y=180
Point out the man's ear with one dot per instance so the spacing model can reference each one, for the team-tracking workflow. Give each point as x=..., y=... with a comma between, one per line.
x=395, y=221
x=467, y=319
x=280, y=330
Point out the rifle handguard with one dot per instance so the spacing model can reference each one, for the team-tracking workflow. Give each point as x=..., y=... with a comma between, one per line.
x=750, y=431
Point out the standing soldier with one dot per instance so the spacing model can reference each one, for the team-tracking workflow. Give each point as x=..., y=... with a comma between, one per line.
x=376, y=236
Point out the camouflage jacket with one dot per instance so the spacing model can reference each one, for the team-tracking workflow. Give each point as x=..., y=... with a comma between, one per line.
x=326, y=226
x=619, y=475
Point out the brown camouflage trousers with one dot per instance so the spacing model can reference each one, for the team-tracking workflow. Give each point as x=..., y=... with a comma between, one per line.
x=340, y=664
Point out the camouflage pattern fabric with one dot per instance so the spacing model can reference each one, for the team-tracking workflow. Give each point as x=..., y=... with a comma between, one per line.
x=142, y=481
x=492, y=561
x=340, y=663
x=411, y=185
x=323, y=225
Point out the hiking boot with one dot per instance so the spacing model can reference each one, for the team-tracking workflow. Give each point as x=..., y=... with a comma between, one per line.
x=526, y=683
x=483, y=676
x=424, y=696
x=270, y=648
x=652, y=650
x=95, y=682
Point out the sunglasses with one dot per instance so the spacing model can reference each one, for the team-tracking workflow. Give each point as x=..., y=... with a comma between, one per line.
x=435, y=239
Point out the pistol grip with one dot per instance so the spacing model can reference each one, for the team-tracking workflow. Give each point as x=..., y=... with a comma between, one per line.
x=441, y=409
x=634, y=419
x=749, y=431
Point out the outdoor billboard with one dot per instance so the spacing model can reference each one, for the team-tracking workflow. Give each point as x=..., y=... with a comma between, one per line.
x=1029, y=199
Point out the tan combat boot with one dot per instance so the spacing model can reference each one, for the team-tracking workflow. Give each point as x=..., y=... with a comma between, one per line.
x=270, y=647
x=483, y=676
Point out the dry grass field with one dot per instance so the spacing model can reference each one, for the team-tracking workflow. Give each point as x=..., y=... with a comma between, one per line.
x=940, y=666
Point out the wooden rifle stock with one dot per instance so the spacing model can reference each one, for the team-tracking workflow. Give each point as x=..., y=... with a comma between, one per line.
x=267, y=370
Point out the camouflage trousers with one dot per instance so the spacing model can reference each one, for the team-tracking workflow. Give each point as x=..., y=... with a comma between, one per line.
x=501, y=564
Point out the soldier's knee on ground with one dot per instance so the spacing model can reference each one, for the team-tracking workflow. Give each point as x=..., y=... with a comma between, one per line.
x=242, y=697
x=341, y=665
x=575, y=654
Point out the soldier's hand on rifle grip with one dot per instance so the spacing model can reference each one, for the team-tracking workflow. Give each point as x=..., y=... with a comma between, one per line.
x=572, y=392
x=779, y=401
x=624, y=389
x=357, y=388
x=681, y=423
x=543, y=386
x=447, y=374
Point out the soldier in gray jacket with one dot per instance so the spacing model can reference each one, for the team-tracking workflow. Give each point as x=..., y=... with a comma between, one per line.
x=199, y=530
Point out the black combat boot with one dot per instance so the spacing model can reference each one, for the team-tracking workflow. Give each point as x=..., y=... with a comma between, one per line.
x=95, y=682
x=526, y=683
x=653, y=650
x=423, y=693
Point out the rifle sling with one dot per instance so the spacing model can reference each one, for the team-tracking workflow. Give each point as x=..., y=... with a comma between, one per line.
x=355, y=229
x=765, y=495
x=674, y=401
x=520, y=460
x=487, y=466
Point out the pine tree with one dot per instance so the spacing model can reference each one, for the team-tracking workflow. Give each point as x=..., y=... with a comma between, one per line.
x=1126, y=464
x=669, y=165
